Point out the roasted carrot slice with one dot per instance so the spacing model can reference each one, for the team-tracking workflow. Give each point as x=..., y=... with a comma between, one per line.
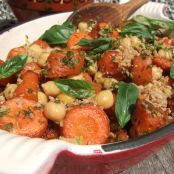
x=109, y=64
x=28, y=88
x=87, y=121
x=61, y=64
x=75, y=38
x=41, y=43
x=146, y=118
x=23, y=117
x=16, y=51
x=162, y=63
x=142, y=71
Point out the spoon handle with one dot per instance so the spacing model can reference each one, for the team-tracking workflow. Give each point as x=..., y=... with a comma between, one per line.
x=128, y=8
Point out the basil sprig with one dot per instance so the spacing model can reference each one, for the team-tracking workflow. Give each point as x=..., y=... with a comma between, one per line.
x=148, y=28
x=137, y=29
x=58, y=34
x=97, y=46
x=12, y=66
x=126, y=98
x=154, y=23
x=172, y=71
x=76, y=88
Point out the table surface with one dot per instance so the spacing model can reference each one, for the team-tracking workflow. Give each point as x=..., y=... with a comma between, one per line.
x=161, y=162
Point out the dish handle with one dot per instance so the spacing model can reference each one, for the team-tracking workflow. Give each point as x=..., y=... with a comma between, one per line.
x=27, y=155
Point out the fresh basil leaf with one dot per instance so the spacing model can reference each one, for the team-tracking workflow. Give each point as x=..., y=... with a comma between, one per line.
x=76, y=88
x=12, y=66
x=137, y=29
x=126, y=98
x=97, y=46
x=154, y=23
x=58, y=34
x=172, y=71
x=163, y=28
x=4, y=111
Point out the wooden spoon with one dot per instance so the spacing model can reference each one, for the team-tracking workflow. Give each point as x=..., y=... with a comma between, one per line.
x=107, y=12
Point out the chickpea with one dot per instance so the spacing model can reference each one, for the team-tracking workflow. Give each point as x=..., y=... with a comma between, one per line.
x=55, y=111
x=126, y=42
x=42, y=98
x=50, y=88
x=35, y=51
x=66, y=99
x=105, y=99
x=156, y=73
x=83, y=26
x=9, y=91
x=135, y=41
x=109, y=83
x=42, y=59
x=99, y=77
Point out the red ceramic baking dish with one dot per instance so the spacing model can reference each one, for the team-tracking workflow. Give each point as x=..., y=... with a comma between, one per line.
x=23, y=155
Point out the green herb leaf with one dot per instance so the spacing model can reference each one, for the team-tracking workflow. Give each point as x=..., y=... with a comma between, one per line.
x=172, y=71
x=137, y=29
x=12, y=66
x=4, y=111
x=98, y=46
x=154, y=23
x=58, y=34
x=161, y=27
x=77, y=88
x=126, y=99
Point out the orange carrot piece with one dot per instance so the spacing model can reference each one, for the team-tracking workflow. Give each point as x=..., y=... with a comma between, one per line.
x=115, y=34
x=16, y=51
x=87, y=121
x=57, y=67
x=146, y=118
x=109, y=64
x=28, y=88
x=75, y=38
x=162, y=63
x=142, y=71
x=23, y=117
